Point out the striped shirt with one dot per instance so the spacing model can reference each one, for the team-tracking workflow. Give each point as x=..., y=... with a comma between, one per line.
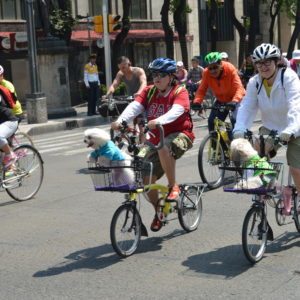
x=91, y=74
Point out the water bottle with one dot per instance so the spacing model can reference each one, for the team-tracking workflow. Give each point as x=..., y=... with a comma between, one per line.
x=287, y=200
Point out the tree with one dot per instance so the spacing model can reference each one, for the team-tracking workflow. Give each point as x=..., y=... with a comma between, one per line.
x=212, y=24
x=117, y=47
x=293, y=10
x=169, y=34
x=180, y=10
x=274, y=10
x=241, y=30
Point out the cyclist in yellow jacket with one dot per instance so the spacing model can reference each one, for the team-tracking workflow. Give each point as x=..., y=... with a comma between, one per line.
x=17, y=109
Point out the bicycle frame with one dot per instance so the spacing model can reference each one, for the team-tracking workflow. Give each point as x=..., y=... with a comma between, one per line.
x=221, y=137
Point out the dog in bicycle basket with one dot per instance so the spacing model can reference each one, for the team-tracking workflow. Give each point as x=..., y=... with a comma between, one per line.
x=107, y=154
x=256, y=171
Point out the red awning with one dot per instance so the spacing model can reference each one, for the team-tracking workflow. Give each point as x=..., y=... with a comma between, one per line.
x=142, y=36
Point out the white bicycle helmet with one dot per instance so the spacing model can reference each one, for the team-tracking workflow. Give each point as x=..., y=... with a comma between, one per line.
x=1, y=70
x=265, y=51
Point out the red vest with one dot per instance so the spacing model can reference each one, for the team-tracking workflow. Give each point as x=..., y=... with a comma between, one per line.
x=6, y=94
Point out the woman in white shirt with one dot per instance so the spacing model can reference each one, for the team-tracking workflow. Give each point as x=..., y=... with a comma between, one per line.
x=275, y=91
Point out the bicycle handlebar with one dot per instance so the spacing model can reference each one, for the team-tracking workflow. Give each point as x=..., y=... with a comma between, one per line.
x=161, y=137
x=123, y=128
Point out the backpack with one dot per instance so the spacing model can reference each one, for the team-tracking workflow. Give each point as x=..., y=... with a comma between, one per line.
x=258, y=87
x=9, y=100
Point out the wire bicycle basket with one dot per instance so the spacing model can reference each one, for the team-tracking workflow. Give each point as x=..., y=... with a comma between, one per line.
x=253, y=177
x=120, y=176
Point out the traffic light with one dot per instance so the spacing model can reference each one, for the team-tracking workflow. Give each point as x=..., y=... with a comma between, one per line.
x=98, y=23
x=113, y=23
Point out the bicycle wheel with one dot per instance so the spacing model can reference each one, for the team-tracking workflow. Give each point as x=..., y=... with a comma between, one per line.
x=254, y=235
x=296, y=216
x=208, y=165
x=23, y=138
x=24, y=180
x=279, y=216
x=125, y=230
x=190, y=209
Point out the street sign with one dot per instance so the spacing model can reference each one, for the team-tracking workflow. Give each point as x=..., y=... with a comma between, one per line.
x=100, y=43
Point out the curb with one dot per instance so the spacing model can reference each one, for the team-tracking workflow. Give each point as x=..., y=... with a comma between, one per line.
x=59, y=125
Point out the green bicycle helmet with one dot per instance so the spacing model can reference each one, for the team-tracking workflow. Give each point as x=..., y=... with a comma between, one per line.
x=213, y=57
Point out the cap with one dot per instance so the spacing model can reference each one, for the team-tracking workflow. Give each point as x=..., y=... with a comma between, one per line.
x=224, y=55
x=93, y=55
x=196, y=58
x=296, y=54
x=179, y=64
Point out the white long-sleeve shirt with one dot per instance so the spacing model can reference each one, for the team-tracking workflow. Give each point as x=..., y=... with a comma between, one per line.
x=280, y=111
x=90, y=74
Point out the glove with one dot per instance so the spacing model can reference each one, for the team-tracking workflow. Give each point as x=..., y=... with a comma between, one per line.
x=197, y=106
x=239, y=134
x=231, y=105
x=285, y=137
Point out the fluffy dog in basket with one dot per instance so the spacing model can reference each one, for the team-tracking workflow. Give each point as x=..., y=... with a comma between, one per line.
x=107, y=154
x=242, y=153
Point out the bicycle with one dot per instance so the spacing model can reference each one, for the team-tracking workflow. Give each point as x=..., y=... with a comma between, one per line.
x=19, y=138
x=214, y=150
x=113, y=106
x=24, y=179
x=256, y=229
x=126, y=226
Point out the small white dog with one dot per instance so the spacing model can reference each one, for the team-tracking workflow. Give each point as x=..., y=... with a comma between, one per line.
x=242, y=152
x=107, y=154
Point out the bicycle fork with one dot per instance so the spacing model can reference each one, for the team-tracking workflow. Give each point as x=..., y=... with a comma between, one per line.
x=261, y=208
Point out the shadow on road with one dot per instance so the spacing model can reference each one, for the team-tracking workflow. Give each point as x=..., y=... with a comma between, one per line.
x=101, y=257
x=228, y=262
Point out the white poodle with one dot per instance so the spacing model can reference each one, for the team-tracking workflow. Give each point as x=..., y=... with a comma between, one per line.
x=107, y=154
x=242, y=153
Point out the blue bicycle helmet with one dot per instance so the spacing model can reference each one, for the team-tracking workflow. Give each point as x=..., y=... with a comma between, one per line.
x=161, y=64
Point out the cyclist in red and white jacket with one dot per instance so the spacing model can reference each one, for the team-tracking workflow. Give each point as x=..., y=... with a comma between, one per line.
x=167, y=104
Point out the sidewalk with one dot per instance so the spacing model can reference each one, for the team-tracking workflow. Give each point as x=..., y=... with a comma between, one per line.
x=80, y=120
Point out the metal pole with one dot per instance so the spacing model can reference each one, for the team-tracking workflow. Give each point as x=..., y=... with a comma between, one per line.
x=106, y=44
x=89, y=33
x=203, y=29
x=32, y=53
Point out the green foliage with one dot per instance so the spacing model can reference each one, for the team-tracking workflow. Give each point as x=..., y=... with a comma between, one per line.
x=219, y=4
x=120, y=90
x=61, y=24
x=175, y=3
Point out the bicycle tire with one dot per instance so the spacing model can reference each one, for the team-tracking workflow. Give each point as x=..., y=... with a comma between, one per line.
x=190, y=209
x=25, y=179
x=254, y=230
x=126, y=222
x=296, y=215
x=279, y=216
x=23, y=138
x=209, y=168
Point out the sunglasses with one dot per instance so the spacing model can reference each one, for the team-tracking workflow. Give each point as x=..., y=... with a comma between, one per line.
x=266, y=63
x=159, y=74
x=213, y=68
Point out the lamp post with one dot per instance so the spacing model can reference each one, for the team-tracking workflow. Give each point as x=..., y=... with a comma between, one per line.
x=106, y=44
x=203, y=28
x=36, y=103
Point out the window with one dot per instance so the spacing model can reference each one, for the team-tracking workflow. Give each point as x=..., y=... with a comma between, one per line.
x=95, y=7
x=11, y=9
x=139, y=9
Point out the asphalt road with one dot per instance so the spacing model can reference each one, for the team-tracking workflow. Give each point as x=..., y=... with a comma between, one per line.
x=57, y=245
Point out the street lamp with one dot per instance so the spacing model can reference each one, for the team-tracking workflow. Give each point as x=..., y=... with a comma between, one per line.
x=36, y=102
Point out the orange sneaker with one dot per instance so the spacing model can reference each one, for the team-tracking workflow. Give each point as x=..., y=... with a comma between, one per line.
x=173, y=193
x=156, y=224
